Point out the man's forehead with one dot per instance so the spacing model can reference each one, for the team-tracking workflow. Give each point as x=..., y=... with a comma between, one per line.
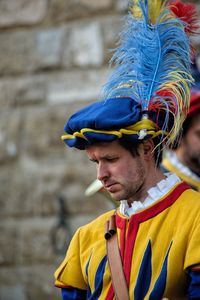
x=104, y=145
x=105, y=148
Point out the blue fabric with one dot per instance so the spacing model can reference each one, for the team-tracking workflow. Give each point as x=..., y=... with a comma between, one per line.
x=193, y=290
x=78, y=294
x=160, y=284
x=145, y=273
x=76, y=142
x=73, y=294
x=112, y=114
x=86, y=270
x=194, y=286
x=99, y=280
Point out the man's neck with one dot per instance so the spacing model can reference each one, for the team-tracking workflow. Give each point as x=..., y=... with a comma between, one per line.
x=151, y=181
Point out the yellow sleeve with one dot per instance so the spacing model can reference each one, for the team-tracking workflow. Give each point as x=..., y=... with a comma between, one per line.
x=69, y=273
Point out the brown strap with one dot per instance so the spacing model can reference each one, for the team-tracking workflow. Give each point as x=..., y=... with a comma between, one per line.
x=115, y=262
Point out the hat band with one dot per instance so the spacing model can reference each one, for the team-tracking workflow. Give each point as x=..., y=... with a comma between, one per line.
x=146, y=125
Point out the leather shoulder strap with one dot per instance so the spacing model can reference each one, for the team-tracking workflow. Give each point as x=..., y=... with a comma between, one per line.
x=115, y=262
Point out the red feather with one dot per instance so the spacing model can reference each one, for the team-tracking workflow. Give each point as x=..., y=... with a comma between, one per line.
x=187, y=13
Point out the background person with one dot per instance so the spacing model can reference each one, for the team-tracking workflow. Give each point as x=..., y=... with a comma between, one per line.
x=185, y=159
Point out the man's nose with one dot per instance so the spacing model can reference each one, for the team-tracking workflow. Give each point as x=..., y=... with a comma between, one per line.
x=102, y=172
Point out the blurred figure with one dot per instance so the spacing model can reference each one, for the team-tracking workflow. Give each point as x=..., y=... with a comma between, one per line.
x=185, y=159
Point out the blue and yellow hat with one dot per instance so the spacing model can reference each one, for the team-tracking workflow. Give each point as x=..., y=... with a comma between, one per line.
x=148, y=93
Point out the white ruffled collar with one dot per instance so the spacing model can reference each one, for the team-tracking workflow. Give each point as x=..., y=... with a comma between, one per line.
x=154, y=194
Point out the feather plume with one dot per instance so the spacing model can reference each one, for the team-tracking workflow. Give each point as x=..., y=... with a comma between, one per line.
x=187, y=13
x=152, y=63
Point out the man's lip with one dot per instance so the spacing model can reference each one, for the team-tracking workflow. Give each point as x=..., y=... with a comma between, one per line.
x=109, y=187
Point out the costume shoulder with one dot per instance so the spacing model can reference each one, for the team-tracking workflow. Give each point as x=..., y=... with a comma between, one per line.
x=71, y=271
x=189, y=205
x=191, y=199
x=97, y=223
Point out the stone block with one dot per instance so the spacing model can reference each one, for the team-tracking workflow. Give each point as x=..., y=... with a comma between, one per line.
x=10, y=127
x=30, y=282
x=16, y=188
x=35, y=241
x=17, y=52
x=35, y=191
x=61, y=10
x=33, y=50
x=8, y=243
x=22, y=12
x=48, y=47
x=49, y=176
x=24, y=90
x=83, y=46
x=111, y=26
x=12, y=292
x=76, y=86
x=42, y=130
x=121, y=5
x=96, y=5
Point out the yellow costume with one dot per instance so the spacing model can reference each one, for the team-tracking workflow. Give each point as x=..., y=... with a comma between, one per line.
x=158, y=252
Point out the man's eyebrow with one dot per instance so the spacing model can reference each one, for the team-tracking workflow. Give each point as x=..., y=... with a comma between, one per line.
x=92, y=160
x=106, y=156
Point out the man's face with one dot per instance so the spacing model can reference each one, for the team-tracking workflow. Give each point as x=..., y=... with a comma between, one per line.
x=121, y=174
x=191, y=144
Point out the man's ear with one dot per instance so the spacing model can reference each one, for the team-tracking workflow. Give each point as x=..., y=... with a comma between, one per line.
x=148, y=147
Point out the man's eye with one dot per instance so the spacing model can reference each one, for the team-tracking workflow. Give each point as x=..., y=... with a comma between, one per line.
x=112, y=159
x=94, y=161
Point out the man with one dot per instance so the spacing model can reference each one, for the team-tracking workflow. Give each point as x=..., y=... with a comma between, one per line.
x=185, y=159
x=151, y=248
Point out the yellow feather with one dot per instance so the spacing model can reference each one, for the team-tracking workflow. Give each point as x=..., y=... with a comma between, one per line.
x=154, y=8
x=135, y=9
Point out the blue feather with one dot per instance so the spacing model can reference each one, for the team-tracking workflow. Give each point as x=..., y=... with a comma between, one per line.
x=148, y=57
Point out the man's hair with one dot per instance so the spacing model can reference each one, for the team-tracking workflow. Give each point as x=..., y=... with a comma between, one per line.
x=133, y=148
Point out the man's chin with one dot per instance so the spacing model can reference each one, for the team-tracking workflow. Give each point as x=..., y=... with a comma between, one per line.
x=117, y=196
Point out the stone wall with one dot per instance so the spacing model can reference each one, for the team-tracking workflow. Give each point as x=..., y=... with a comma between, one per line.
x=53, y=60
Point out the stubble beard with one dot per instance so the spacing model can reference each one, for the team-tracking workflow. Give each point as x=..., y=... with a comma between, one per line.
x=134, y=190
